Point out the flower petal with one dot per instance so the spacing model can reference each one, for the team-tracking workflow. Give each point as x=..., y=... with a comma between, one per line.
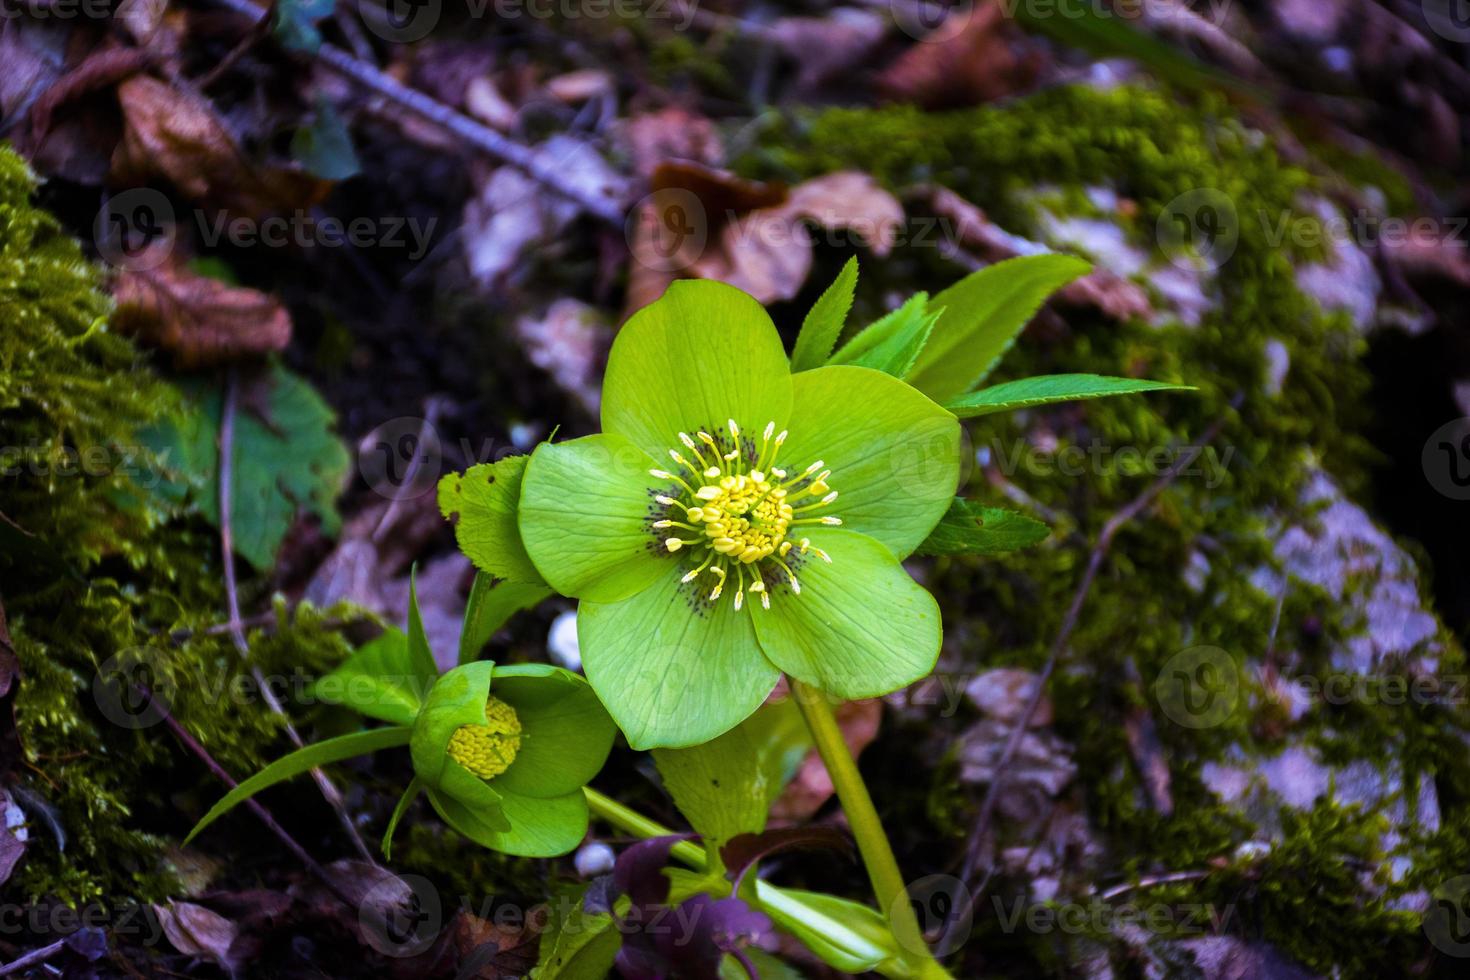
x=701, y=354
x=457, y=698
x=537, y=828
x=568, y=732
x=673, y=668
x=586, y=506
x=893, y=453
x=860, y=628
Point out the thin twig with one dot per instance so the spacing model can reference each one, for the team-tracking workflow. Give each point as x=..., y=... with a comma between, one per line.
x=1151, y=882
x=256, y=807
x=32, y=958
x=1110, y=530
x=534, y=163
x=232, y=599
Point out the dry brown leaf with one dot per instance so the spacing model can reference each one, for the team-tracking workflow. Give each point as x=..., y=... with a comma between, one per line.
x=671, y=134
x=199, y=320
x=579, y=86
x=827, y=48
x=176, y=135
x=492, y=951
x=196, y=931
x=969, y=228
x=986, y=59
x=1430, y=253
x=812, y=786
x=754, y=236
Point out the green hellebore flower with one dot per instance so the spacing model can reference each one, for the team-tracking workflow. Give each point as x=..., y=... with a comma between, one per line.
x=734, y=521
x=503, y=754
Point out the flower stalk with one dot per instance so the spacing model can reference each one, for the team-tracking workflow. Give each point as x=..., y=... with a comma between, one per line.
x=888, y=884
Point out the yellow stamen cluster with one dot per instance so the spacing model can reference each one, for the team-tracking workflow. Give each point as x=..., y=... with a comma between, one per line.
x=738, y=508
x=488, y=750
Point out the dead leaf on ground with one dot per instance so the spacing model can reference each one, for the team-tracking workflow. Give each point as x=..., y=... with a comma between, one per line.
x=196, y=931
x=812, y=786
x=199, y=320
x=712, y=224
x=569, y=342
x=828, y=48
x=674, y=133
x=174, y=134
x=967, y=227
x=492, y=951
x=986, y=59
x=1430, y=252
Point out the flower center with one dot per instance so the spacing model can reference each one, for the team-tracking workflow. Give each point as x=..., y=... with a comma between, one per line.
x=488, y=750
x=738, y=508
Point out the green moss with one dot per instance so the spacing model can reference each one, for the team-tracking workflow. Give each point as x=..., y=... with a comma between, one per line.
x=1150, y=147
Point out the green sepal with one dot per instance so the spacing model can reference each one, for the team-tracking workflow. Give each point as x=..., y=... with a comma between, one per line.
x=982, y=315
x=415, y=787
x=457, y=698
x=824, y=322
x=378, y=680
x=970, y=529
x=530, y=827
x=302, y=760
x=483, y=502
x=1049, y=389
x=491, y=604
x=568, y=733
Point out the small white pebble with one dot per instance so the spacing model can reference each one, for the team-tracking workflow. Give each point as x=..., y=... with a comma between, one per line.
x=561, y=641
x=594, y=859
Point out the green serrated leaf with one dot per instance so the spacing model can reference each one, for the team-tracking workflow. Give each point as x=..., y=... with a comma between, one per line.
x=981, y=317
x=1048, y=389
x=576, y=945
x=893, y=343
x=483, y=502
x=300, y=761
x=286, y=459
x=492, y=602
x=969, y=529
x=324, y=147
x=824, y=322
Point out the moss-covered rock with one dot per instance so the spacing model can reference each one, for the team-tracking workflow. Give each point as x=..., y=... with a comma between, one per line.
x=1232, y=558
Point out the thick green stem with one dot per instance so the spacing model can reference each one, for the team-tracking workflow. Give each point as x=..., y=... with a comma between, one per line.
x=888, y=884
x=773, y=900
